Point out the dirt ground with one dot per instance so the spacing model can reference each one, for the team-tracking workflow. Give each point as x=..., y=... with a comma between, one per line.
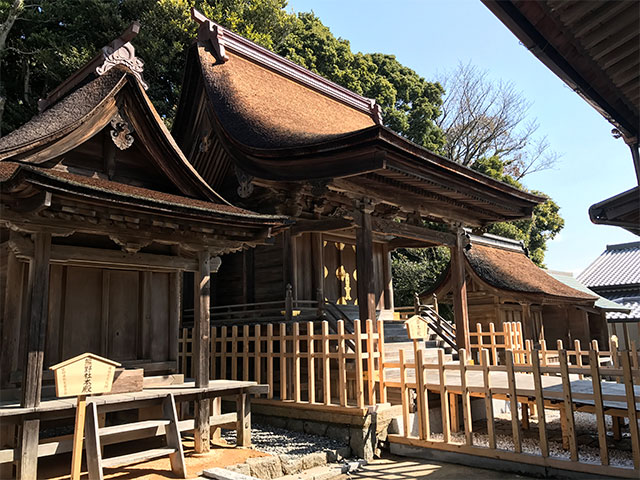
x=58, y=467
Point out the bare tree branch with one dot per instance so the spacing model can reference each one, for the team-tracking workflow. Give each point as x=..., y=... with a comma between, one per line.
x=482, y=118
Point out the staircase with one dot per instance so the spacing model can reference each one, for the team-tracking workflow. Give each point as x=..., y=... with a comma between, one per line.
x=95, y=434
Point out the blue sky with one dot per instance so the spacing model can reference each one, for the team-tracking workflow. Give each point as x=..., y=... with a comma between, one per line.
x=433, y=36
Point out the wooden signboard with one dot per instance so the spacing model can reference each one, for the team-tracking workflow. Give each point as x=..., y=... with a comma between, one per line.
x=417, y=328
x=83, y=375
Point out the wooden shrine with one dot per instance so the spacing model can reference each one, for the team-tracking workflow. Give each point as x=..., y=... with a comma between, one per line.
x=504, y=285
x=101, y=216
x=276, y=138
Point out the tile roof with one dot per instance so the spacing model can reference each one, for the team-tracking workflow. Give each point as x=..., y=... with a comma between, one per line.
x=617, y=265
x=633, y=304
x=602, y=302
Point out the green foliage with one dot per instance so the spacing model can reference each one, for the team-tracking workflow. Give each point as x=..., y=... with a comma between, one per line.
x=544, y=225
x=416, y=270
x=50, y=42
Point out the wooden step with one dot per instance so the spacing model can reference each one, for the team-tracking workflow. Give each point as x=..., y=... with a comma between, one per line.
x=132, y=427
x=137, y=457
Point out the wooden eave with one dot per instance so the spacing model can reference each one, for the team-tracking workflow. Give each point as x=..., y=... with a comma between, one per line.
x=593, y=46
x=622, y=210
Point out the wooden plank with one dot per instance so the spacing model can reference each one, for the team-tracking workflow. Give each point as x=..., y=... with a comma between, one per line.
x=597, y=397
x=513, y=399
x=460, y=306
x=311, y=370
x=342, y=368
x=257, y=348
x=92, y=440
x=245, y=353
x=270, y=356
x=444, y=401
x=631, y=403
x=403, y=394
x=201, y=360
x=326, y=370
x=216, y=411
x=413, y=232
x=466, y=400
x=568, y=405
x=423, y=401
x=283, y=362
x=175, y=304
x=371, y=392
x=13, y=314
x=243, y=429
x=357, y=327
x=78, y=436
x=234, y=352
x=296, y=362
x=542, y=421
x=488, y=398
x=104, y=333
x=223, y=353
x=381, y=373
x=173, y=438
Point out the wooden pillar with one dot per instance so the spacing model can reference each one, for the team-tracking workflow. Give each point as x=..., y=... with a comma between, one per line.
x=201, y=354
x=175, y=300
x=460, y=306
x=364, y=267
x=37, y=308
x=12, y=318
x=387, y=278
x=317, y=261
x=527, y=323
x=289, y=262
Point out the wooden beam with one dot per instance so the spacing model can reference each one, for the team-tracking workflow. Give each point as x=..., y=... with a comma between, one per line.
x=72, y=255
x=324, y=225
x=460, y=306
x=38, y=301
x=364, y=267
x=412, y=232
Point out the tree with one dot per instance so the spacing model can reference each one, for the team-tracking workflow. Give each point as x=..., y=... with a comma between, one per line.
x=415, y=270
x=50, y=42
x=483, y=118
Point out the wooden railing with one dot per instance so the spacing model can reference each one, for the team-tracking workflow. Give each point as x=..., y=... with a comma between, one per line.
x=497, y=341
x=521, y=385
x=302, y=362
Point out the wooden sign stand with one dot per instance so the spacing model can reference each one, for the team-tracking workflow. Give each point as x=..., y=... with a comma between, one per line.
x=78, y=436
x=82, y=375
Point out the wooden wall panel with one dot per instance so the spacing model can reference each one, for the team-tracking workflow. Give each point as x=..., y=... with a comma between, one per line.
x=57, y=274
x=159, y=340
x=83, y=309
x=123, y=315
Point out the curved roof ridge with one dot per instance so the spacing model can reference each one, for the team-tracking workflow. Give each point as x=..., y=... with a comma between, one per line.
x=222, y=39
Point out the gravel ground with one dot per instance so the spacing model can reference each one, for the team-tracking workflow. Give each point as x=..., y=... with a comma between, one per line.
x=278, y=441
x=586, y=429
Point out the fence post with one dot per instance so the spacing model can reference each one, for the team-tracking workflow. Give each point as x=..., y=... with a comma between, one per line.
x=488, y=398
x=403, y=394
x=494, y=350
x=444, y=400
x=633, y=414
x=213, y=354
x=542, y=421
x=270, y=359
x=257, y=347
x=223, y=354
x=342, y=367
x=466, y=400
x=370, y=363
x=296, y=362
x=359, y=377
x=245, y=353
x=423, y=401
x=599, y=410
x=311, y=364
x=326, y=390
x=381, y=376
x=283, y=362
x=513, y=399
x=568, y=405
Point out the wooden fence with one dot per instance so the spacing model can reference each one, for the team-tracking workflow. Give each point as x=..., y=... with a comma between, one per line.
x=303, y=363
x=524, y=385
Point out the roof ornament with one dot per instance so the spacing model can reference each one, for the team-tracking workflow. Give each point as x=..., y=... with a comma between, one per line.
x=209, y=32
x=245, y=187
x=122, y=52
x=121, y=133
x=118, y=52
